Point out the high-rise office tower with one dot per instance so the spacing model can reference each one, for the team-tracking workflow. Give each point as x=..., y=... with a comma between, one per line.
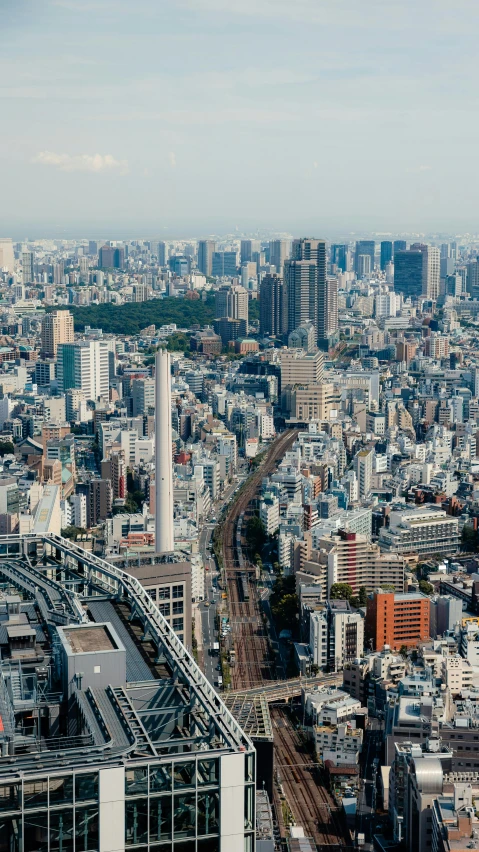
x=7, y=259
x=84, y=365
x=164, y=538
x=232, y=302
x=445, y=252
x=339, y=256
x=399, y=245
x=312, y=297
x=472, y=279
x=158, y=249
x=224, y=263
x=92, y=247
x=273, y=303
x=206, y=249
x=27, y=267
x=58, y=272
x=363, y=265
x=279, y=251
x=431, y=269
x=57, y=327
x=364, y=247
x=409, y=272
x=386, y=253
x=111, y=257
x=248, y=249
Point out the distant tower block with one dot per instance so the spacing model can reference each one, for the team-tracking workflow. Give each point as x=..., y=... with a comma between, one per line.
x=164, y=539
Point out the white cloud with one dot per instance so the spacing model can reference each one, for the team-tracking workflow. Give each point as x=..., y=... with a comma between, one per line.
x=81, y=162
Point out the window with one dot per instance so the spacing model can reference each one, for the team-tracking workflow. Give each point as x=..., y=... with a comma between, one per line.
x=61, y=790
x=164, y=593
x=136, y=781
x=249, y=767
x=9, y=797
x=10, y=833
x=160, y=818
x=178, y=591
x=35, y=831
x=136, y=822
x=165, y=609
x=86, y=787
x=160, y=778
x=208, y=812
x=248, y=807
x=61, y=830
x=35, y=793
x=177, y=607
x=184, y=774
x=207, y=772
x=86, y=829
x=178, y=624
x=152, y=594
x=185, y=816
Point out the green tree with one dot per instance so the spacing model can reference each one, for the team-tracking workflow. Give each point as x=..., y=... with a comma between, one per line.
x=363, y=596
x=425, y=587
x=6, y=447
x=286, y=612
x=388, y=587
x=255, y=534
x=341, y=591
x=73, y=532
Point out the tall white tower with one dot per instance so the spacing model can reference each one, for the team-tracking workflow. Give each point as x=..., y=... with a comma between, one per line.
x=164, y=539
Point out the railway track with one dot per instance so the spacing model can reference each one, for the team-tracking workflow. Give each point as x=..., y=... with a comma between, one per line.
x=311, y=804
x=253, y=663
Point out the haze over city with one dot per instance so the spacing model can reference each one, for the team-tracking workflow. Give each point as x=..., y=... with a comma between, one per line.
x=199, y=117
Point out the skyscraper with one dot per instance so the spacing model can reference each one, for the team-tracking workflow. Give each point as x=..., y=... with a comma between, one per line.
x=339, y=256
x=111, y=257
x=312, y=297
x=232, y=302
x=386, y=253
x=164, y=538
x=57, y=327
x=364, y=247
x=224, y=263
x=399, y=245
x=273, y=303
x=248, y=249
x=409, y=272
x=6, y=254
x=278, y=252
x=431, y=269
x=27, y=267
x=84, y=365
x=205, y=256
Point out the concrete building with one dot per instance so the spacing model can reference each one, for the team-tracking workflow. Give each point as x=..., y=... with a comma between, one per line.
x=363, y=467
x=7, y=259
x=57, y=327
x=164, y=540
x=205, y=256
x=300, y=368
x=273, y=306
x=397, y=620
x=278, y=253
x=85, y=366
x=95, y=772
x=420, y=532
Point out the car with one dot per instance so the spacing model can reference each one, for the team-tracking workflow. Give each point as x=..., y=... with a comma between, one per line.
x=218, y=668
x=207, y=603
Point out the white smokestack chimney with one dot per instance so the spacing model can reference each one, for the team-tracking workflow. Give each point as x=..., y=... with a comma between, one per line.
x=164, y=539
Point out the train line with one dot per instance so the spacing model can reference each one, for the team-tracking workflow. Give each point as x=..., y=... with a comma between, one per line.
x=311, y=805
x=253, y=662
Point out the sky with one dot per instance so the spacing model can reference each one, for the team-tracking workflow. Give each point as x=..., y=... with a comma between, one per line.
x=193, y=117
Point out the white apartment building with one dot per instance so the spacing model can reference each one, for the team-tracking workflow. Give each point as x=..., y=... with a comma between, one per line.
x=425, y=531
x=85, y=366
x=342, y=744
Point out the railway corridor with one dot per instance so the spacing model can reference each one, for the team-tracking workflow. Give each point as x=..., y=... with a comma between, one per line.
x=299, y=779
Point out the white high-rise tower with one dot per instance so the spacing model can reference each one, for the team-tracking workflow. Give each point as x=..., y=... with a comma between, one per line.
x=164, y=539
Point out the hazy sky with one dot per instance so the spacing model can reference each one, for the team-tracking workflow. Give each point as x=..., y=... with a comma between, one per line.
x=194, y=116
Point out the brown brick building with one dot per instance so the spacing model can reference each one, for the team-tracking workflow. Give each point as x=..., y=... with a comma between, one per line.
x=397, y=619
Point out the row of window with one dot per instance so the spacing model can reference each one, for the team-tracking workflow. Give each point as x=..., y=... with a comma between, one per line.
x=164, y=593
x=45, y=792
x=168, y=776
x=164, y=817
x=61, y=827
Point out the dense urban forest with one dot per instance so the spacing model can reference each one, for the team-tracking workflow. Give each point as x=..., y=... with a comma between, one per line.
x=134, y=316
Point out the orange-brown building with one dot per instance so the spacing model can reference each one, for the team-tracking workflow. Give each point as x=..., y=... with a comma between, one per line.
x=397, y=619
